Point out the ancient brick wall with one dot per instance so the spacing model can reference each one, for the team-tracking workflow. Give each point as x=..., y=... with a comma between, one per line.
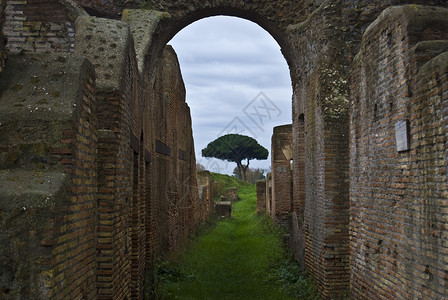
x=269, y=193
x=299, y=188
x=231, y=194
x=107, y=44
x=261, y=196
x=177, y=191
x=105, y=8
x=2, y=40
x=38, y=26
x=205, y=187
x=320, y=122
x=48, y=185
x=281, y=155
x=398, y=157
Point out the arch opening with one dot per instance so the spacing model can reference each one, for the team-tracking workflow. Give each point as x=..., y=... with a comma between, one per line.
x=237, y=81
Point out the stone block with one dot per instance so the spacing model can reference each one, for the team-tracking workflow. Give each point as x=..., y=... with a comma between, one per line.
x=223, y=209
x=231, y=194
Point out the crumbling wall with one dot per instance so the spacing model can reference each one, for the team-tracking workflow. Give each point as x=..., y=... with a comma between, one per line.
x=205, y=186
x=108, y=45
x=320, y=130
x=2, y=40
x=48, y=178
x=177, y=192
x=231, y=194
x=398, y=156
x=281, y=155
x=269, y=193
x=40, y=26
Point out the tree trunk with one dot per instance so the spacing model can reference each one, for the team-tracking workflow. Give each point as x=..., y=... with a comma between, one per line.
x=241, y=170
x=244, y=169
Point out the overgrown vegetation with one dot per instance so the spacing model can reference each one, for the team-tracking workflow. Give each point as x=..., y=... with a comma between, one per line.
x=240, y=258
x=223, y=182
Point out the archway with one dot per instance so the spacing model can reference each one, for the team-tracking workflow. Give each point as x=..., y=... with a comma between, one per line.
x=320, y=93
x=237, y=81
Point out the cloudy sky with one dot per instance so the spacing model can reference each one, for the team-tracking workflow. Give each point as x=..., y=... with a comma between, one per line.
x=237, y=81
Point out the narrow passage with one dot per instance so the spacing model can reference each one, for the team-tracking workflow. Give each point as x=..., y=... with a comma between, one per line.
x=240, y=258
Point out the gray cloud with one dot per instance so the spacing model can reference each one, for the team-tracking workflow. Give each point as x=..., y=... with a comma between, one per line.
x=226, y=62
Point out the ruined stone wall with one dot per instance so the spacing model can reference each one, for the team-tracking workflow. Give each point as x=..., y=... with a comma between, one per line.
x=38, y=26
x=281, y=155
x=206, y=192
x=2, y=40
x=320, y=130
x=269, y=193
x=177, y=193
x=398, y=157
x=48, y=178
x=108, y=45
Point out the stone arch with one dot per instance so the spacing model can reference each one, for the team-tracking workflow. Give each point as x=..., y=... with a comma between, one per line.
x=154, y=29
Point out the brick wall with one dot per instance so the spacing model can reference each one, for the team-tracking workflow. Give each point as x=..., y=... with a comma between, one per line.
x=398, y=190
x=2, y=41
x=205, y=186
x=107, y=44
x=320, y=131
x=49, y=153
x=281, y=155
x=298, y=195
x=269, y=193
x=103, y=8
x=261, y=196
x=37, y=26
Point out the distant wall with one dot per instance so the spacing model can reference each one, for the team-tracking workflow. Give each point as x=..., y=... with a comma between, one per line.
x=398, y=157
x=2, y=40
x=281, y=155
x=261, y=196
x=269, y=193
x=205, y=186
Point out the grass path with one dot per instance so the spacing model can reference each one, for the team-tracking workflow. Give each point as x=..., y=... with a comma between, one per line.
x=240, y=258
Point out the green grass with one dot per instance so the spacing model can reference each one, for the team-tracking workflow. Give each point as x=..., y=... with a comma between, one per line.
x=222, y=182
x=240, y=258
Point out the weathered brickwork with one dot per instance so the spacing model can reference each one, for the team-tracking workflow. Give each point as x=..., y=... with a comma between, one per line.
x=2, y=41
x=38, y=26
x=261, y=196
x=205, y=186
x=100, y=40
x=298, y=194
x=399, y=195
x=269, y=193
x=281, y=155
